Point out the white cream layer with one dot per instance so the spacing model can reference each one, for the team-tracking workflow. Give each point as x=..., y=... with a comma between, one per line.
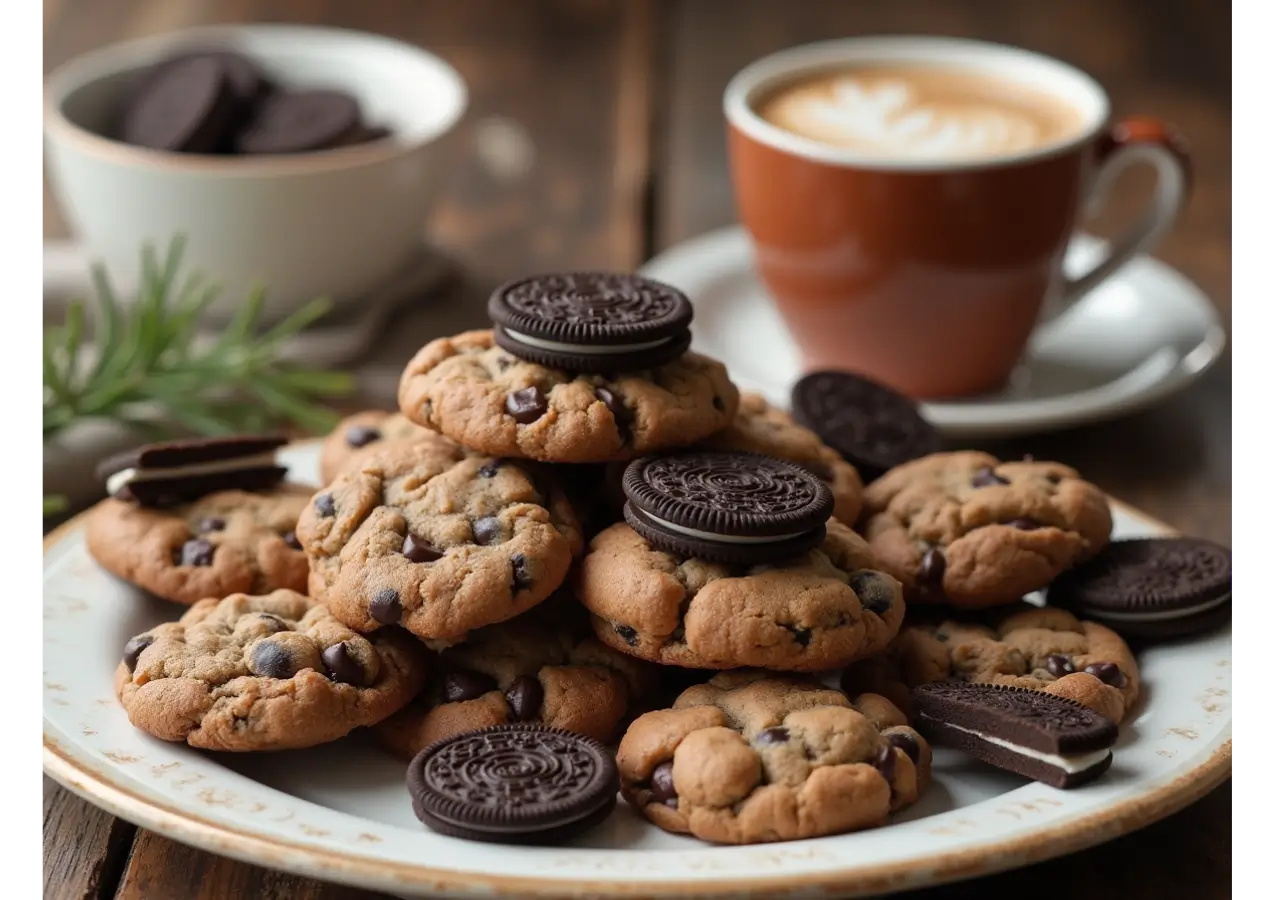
x=1162, y=615
x=128, y=476
x=1070, y=764
x=719, y=538
x=584, y=349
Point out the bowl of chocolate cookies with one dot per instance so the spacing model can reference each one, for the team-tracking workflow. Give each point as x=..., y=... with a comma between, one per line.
x=293, y=157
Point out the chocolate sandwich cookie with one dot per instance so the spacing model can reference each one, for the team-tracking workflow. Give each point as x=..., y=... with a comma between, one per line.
x=247, y=81
x=514, y=784
x=872, y=426
x=596, y=322
x=1152, y=588
x=1045, y=738
x=299, y=122
x=176, y=472
x=741, y=508
x=188, y=105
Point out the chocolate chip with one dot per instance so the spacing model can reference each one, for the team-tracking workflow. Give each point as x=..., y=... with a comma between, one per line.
x=906, y=743
x=1054, y=478
x=133, y=649
x=275, y=623
x=800, y=635
x=1058, y=665
x=211, y=523
x=361, y=435
x=524, y=698
x=341, y=664
x=490, y=469
x=504, y=362
x=619, y=411
x=776, y=735
x=522, y=573
x=884, y=761
x=662, y=789
x=629, y=635
x=986, y=476
x=416, y=550
x=718, y=403
x=487, y=530
x=1108, y=673
x=271, y=661
x=874, y=590
x=197, y=552
x=1024, y=524
x=290, y=538
x=384, y=607
x=527, y=405
x=933, y=565
x=466, y=684
x=324, y=505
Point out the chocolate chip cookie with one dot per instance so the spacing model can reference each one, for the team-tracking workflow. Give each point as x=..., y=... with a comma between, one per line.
x=358, y=436
x=437, y=539
x=545, y=666
x=223, y=543
x=817, y=611
x=480, y=395
x=749, y=758
x=762, y=428
x=273, y=672
x=968, y=530
x=1045, y=649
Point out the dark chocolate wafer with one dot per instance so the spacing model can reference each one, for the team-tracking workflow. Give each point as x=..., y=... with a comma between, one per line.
x=1037, y=735
x=521, y=783
x=1151, y=588
x=300, y=121
x=188, y=105
x=174, y=472
x=591, y=321
x=741, y=508
x=872, y=426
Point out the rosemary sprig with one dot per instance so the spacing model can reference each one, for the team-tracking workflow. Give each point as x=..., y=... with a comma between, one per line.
x=148, y=372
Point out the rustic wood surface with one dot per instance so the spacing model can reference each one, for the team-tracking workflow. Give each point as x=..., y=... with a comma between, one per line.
x=595, y=139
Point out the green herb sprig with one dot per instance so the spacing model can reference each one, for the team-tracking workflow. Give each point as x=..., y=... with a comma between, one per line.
x=148, y=373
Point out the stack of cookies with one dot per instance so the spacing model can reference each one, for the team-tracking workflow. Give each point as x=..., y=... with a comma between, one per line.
x=575, y=531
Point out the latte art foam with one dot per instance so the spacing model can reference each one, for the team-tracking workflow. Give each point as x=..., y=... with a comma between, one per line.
x=919, y=114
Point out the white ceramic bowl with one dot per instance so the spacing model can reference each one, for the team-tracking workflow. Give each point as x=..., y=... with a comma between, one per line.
x=334, y=223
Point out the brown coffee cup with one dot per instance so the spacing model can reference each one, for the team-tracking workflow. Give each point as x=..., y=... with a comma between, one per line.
x=928, y=268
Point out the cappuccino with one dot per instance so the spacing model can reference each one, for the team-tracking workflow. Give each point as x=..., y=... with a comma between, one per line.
x=921, y=112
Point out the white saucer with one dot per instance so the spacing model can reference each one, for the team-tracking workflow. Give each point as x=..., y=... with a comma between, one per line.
x=1143, y=335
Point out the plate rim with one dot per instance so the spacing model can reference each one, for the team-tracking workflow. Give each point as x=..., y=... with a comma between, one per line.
x=1018, y=418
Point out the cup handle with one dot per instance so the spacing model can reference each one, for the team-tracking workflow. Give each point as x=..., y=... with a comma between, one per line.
x=1133, y=140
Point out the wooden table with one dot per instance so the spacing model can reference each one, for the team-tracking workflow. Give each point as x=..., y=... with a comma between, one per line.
x=595, y=139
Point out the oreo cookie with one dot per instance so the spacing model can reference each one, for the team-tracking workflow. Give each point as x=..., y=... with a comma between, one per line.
x=188, y=105
x=521, y=783
x=1151, y=589
x=597, y=322
x=736, y=508
x=872, y=426
x=175, y=472
x=299, y=122
x=1049, y=739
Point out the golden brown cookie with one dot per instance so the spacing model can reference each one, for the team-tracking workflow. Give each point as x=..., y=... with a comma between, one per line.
x=1045, y=649
x=968, y=530
x=438, y=540
x=820, y=610
x=274, y=672
x=479, y=395
x=545, y=666
x=762, y=428
x=358, y=436
x=749, y=758
x=221, y=544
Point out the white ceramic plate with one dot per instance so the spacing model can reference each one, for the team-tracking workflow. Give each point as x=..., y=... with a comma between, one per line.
x=1143, y=335
x=341, y=812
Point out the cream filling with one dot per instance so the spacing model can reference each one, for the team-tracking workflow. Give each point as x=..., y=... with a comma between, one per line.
x=586, y=349
x=1163, y=615
x=719, y=538
x=1081, y=762
x=128, y=476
